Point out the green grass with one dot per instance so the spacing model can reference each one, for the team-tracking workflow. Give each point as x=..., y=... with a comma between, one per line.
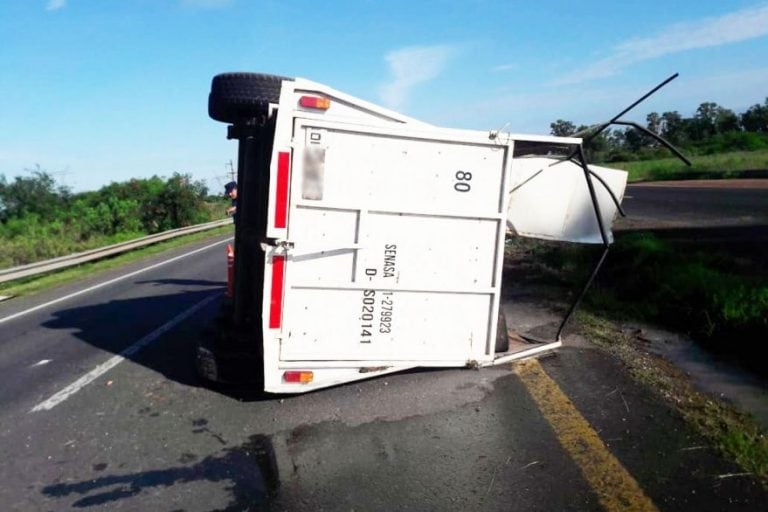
x=697, y=291
x=34, y=246
x=724, y=165
x=720, y=301
x=748, y=447
x=32, y=237
x=33, y=284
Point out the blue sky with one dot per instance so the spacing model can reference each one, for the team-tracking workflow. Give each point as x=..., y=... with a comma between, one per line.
x=99, y=91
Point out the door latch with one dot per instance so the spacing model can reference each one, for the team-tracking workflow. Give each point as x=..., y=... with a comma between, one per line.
x=275, y=242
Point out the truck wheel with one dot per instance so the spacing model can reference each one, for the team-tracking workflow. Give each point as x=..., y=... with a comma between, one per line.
x=237, y=97
x=502, y=339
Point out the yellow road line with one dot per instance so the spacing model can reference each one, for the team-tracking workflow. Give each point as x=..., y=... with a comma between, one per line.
x=615, y=487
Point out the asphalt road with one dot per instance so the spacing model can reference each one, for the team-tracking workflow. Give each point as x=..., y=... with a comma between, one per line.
x=723, y=216
x=147, y=435
x=696, y=204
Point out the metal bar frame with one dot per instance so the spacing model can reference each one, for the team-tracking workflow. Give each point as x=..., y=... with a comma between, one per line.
x=580, y=158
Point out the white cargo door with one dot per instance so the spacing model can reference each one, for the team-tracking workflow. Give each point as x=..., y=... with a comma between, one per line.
x=396, y=246
x=550, y=199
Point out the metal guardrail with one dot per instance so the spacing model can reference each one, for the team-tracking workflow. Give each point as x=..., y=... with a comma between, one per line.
x=41, y=267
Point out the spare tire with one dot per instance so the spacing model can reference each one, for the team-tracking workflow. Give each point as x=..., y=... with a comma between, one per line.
x=238, y=97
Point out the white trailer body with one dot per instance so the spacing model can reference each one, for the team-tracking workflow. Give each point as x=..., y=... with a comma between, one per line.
x=388, y=238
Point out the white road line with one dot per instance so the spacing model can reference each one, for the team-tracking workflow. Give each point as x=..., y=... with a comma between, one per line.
x=114, y=361
x=106, y=283
x=42, y=362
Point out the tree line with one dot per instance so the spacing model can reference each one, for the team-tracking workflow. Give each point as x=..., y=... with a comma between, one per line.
x=711, y=129
x=40, y=218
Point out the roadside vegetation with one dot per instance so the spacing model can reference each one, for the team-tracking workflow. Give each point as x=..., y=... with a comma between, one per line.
x=40, y=219
x=32, y=284
x=720, y=300
x=716, y=139
x=719, y=166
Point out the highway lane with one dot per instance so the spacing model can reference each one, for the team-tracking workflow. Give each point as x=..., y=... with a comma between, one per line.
x=722, y=216
x=430, y=440
x=696, y=204
x=147, y=436
x=44, y=350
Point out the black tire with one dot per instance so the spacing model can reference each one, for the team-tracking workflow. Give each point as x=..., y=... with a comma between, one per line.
x=502, y=339
x=225, y=365
x=239, y=97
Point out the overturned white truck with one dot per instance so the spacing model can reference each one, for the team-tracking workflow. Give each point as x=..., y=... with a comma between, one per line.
x=368, y=242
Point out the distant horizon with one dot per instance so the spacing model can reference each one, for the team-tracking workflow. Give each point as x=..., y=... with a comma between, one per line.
x=108, y=92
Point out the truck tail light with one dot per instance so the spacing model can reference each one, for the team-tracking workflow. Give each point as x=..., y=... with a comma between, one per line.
x=276, y=297
x=315, y=102
x=298, y=377
x=281, y=197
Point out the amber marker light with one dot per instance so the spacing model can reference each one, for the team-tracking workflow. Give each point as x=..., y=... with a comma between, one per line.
x=298, y=377
x=315, y=102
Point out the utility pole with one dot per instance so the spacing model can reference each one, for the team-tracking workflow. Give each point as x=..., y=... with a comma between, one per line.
x=231, y=170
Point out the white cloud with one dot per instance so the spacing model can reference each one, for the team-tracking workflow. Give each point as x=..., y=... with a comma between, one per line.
x=410, y=67
x=708, y=32
x=55, y=5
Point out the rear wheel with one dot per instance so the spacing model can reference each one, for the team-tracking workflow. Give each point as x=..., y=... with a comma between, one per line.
x=238, y=97
x=502, y=338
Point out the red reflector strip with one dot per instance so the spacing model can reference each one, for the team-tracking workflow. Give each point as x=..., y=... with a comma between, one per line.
x=315, y=102
x=281, y=199
x=298, y=377
x=276, y=297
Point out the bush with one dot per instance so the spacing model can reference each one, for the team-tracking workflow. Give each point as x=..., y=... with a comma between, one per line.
x=37, y=194
x=39, y=220
x=734, y=141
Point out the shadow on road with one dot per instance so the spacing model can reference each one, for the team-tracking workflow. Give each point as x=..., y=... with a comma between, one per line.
x=115, y=325
x=250, y=468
